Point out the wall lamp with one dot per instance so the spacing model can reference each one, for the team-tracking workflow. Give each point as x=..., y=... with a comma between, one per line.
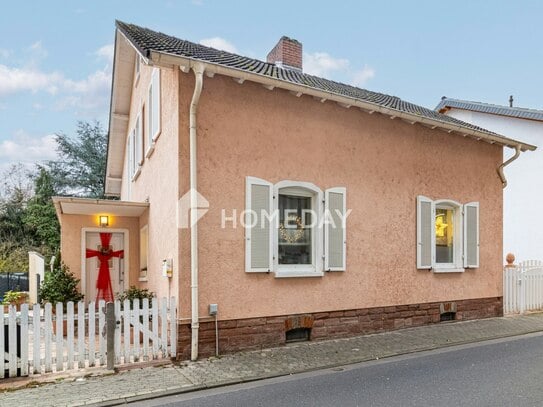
x=104, y=220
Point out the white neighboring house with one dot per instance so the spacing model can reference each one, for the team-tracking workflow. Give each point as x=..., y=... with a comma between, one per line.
x=523, y=196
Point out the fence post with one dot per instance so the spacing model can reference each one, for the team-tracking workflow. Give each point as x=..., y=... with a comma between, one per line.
x=110, y=335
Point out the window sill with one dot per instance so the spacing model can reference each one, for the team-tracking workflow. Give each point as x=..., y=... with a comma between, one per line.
x=297, y=273
x=136, y=174
x=150, y=150
x=446, y=270
x=143, y=279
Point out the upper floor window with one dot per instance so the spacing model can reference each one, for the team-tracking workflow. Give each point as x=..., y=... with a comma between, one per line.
x=447, y=235
x=137, y=68
x=153, y=108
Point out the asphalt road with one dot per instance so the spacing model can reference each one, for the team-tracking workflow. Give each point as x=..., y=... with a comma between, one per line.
x=500, y=373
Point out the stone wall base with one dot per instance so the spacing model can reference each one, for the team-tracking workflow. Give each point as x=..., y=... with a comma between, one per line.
x=267, y=332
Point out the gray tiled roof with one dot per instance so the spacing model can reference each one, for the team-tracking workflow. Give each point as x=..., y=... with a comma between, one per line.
x=518, y=112
x=146, y=40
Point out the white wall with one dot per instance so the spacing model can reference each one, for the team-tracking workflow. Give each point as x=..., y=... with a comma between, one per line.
x=523, y=197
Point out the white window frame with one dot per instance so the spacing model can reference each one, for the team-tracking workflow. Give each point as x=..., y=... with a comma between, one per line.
x=137, y=69
x=457, y=266
x=139, y=139
x=306, y=189
x=153, y=95
x=134, y=167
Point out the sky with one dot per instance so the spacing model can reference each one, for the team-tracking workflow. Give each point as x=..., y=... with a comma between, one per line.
x=55, y=56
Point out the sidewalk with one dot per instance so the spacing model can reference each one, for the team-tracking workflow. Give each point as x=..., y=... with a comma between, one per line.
x=153, y=382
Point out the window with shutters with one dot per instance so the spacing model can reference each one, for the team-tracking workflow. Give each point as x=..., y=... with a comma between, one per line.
x=294, y=229
x=447, y=235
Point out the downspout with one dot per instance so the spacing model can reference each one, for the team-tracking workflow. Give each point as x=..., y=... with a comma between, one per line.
x=506, y=163
x=198, y=69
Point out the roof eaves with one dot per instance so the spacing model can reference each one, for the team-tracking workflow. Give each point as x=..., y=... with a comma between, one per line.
x=155, y=56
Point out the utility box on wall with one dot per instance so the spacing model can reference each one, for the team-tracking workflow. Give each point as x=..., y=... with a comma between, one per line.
x=167, y=268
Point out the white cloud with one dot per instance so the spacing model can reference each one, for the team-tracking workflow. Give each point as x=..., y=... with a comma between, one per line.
x=23, y=148
x=13, y=80
x=88, y=95
x=362, y=76
x=324, y=65
x=219, y=43
x=106, y=52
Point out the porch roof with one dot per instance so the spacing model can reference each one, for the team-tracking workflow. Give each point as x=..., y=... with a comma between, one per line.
x=87, y=206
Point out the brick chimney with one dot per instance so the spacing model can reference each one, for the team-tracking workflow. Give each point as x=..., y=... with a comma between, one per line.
x=287, y=54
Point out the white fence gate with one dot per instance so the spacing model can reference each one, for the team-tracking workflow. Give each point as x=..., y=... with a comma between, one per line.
x=38, y=340
x=523, y=287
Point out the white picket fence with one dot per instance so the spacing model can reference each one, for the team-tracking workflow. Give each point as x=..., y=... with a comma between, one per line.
x=523, y=287
x=59, y=341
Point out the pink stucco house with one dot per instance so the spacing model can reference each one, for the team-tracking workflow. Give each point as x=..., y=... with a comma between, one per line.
x=320, y=210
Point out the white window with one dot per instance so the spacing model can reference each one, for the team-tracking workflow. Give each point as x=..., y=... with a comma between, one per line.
x=447, y=235
x=290, y=232
x=139, y=140
x=133, y=156
x=153, y=108
x=137, y=69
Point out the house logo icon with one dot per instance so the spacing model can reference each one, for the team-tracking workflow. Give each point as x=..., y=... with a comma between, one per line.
x=184, y=210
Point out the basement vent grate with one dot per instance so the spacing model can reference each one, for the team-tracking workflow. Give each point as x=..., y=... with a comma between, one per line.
x=447, y=316
x=298, y=335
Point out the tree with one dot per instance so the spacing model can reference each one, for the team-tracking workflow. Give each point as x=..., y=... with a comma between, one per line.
x=81, y=166
x=16, y=239
x=40, y=216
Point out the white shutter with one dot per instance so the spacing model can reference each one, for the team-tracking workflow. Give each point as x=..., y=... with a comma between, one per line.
x=156, y=103
x=258, y=228
x=139, y=141
x=335, y=231
x=471, y=235
x=129, y=158
x=149, y=116
x=425, y=232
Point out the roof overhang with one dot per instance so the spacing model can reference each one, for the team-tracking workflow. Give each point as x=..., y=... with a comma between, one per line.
x=91, y=207
x=186, y=63
x=123, y=70
x=121, y=95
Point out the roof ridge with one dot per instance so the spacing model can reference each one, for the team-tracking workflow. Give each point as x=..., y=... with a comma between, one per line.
x=494, y=105
x=147, y=41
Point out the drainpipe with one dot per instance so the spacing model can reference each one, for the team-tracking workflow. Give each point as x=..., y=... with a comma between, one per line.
x=506, y=163
x=198, y=69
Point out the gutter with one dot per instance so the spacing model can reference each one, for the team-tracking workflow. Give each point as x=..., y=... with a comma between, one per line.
x=506, y=163
x=198, y=69
x=167, y=60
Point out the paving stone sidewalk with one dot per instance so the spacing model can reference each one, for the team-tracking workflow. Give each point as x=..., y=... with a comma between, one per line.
x=153, y=382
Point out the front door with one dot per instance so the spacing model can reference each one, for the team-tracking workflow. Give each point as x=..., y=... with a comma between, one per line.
x=116, y=264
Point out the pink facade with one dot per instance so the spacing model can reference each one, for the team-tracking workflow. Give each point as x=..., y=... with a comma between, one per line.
x=247, y=130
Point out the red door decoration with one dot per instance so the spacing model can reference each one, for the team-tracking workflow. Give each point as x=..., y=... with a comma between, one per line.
x=104, y=291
